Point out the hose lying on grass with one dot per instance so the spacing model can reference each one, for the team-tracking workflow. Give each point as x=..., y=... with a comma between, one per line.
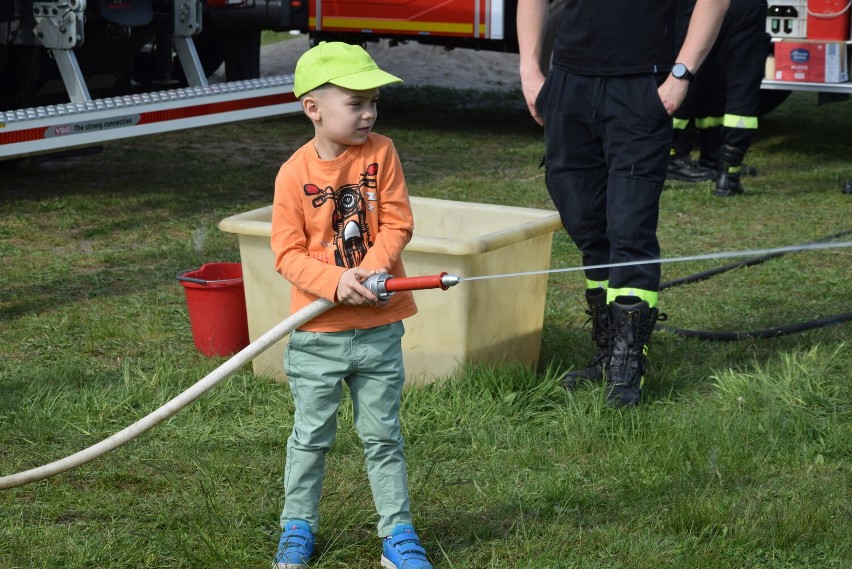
x=767, y=333
x=169, y=409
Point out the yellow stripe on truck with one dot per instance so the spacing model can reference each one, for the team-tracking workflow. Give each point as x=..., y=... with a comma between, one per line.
x=393, y=25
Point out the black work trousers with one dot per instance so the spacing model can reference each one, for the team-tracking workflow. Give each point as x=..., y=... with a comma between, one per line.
x=607, y=145
x=726, y=89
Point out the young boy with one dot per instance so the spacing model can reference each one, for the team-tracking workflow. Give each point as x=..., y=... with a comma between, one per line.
x=341, y=213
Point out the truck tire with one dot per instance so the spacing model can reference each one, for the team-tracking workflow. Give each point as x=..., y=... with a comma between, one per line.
x=242, y=55
x=239, y=50
x=771, y=99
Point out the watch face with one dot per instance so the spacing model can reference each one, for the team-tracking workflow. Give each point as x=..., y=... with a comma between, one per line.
x=679, y=70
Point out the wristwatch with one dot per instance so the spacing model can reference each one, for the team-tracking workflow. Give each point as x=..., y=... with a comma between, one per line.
x=680, y=71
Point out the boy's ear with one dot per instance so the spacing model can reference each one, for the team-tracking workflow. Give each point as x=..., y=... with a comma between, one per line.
x=310, y=106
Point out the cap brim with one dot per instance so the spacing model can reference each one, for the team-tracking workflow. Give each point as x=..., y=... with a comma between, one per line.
x=365, y=80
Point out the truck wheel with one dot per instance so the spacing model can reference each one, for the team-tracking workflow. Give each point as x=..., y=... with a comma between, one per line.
x=147, y=70
x=771, y=99
x=210, y=46
x=242, y=55
x=239, y=50
x=8, y=83
x=210, y=50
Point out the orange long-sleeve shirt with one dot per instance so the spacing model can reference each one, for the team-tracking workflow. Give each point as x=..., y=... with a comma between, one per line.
x=332, y=215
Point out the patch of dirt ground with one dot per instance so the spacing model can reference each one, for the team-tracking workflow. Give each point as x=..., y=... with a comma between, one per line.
x=414, y=63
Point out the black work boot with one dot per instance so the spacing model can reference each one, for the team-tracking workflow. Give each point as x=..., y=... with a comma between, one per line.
x=685, y=169
x=631, y=322
x=728, y=183
x=710, y=154
x=709, y=148
x=599, y=317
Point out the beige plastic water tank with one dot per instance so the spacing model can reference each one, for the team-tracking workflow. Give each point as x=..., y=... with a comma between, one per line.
x=482, y=320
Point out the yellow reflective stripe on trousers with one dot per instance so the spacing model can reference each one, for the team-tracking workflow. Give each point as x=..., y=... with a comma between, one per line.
x=736, y=121
x=648, y=296
x=708, y=122
x=597, y=284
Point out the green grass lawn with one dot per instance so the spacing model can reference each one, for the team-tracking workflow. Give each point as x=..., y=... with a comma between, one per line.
x=739, y=456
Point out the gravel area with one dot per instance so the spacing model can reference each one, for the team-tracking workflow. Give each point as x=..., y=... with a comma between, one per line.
x=415, y=64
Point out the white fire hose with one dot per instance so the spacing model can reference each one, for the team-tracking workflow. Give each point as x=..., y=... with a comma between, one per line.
x=380, y=284
x=129, y=433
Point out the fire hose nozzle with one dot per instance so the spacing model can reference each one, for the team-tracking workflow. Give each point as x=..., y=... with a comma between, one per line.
x=384, y=285
x=448, y=280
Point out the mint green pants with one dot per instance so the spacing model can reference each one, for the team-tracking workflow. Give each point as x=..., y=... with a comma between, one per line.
x=370, y=363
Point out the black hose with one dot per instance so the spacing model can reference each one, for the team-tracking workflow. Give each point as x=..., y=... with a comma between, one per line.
x=766, y=333
x=704, y=275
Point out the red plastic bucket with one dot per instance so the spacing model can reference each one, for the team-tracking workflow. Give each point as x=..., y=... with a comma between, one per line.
x=216, y=302
x=828, y=19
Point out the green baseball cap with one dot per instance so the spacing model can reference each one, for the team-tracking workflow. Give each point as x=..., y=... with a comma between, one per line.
x=341, y=64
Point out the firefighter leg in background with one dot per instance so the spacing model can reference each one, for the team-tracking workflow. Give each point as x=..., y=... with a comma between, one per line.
x=684, y=122
x=694, y=120
x=710, y=112
x=741, y=55
x=605, y=169
x=720, y=111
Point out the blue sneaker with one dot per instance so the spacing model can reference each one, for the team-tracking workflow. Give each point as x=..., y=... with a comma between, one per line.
x=402, y=550
x=295, y=546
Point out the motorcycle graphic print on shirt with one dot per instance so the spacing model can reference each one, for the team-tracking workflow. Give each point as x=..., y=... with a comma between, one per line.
x=349, y=220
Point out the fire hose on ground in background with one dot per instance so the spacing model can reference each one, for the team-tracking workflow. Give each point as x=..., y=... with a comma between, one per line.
x=768, y=332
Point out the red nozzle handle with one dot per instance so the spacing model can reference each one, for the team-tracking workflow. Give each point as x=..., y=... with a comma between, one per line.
x=415, y=283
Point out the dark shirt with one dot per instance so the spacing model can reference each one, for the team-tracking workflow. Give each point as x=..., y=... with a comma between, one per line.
x=616, y=37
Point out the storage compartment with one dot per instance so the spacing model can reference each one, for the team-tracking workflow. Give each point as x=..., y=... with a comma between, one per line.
x=483, y=320
x=814, y=62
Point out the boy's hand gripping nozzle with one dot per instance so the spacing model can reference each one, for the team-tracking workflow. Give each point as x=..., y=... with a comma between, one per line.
x=384, y=285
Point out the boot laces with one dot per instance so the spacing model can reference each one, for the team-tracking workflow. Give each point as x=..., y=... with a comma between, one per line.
x=639, y=334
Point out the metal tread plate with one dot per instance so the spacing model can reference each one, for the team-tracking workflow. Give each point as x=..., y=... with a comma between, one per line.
x=40, y=129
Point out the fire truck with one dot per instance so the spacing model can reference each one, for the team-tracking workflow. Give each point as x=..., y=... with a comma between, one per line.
x=77, y=73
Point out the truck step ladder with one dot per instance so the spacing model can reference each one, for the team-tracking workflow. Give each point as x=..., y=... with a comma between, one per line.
x=59, y=127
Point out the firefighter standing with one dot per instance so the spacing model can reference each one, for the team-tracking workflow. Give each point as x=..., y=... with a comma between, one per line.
x=723, y=101
x=606, y=109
